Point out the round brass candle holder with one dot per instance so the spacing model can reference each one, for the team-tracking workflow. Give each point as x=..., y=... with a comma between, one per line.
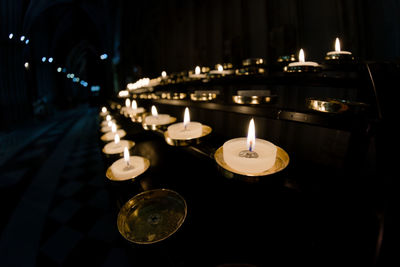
x=281, y=162
x=252, y=100
x=338, y=58
x=105, y=138
x=302, y=68
x=152, y=216
x=206, y=130
x=335, y=106
x=203, y=97
x=156, y=127
x=130, y=145
x=110, y=175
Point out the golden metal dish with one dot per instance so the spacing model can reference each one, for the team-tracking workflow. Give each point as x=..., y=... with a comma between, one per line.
x=203, y=96
x=331, y=105
x=187, y=142
x=110, y=175
x=152, y=216
x=251, y=100
x=156, y=127
x=281, y=162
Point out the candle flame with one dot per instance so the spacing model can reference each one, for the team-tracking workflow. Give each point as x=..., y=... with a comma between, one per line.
x=251, y=136
x=104, y=109
x=186, y=118
x=154, y=111
x=197, y=70
x=127, y=102
x=116, y=139
x=126, y=155
x=302, y=57
x=164, y=74
x=134, y=104
x=220, y=68
x=114, y=128
x=337, y=45
x=108, y=118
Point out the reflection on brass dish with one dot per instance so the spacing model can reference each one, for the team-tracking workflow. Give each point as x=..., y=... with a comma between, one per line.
x=152, y=216
x=281, y=162
x=287, y=58
x=253, y=61
x=250, y=71
x=138, y=117
x=186, y=142
x=156, y=127
x=330, y=105
x=110, y=175
x=130, y=145
x=253, y=100
x=339, y=58
x=176, y=96
x=303, y=68
x=203, y=96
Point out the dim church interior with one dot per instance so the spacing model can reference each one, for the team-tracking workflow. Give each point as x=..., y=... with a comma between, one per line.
x=56, y=205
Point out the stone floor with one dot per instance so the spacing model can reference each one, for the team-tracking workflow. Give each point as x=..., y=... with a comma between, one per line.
x=56, y=209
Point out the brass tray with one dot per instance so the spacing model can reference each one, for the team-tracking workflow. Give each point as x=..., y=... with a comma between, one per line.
x=331, y=105
x=252, y=100
x=152, y=216
x=155, y=127
x=186, y=142
x=281, y=162
x=110, y=175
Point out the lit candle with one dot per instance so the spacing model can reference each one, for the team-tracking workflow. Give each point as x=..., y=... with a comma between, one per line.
x=186, y=129
x=242, y=154
x=108, y=117
x=117, y=147
x=104, y=111
x=220, y=71
x=109, y=136
x=127, y=167
x=338, y=51
x=127, y=102
x=302, y=61
x=109, y=127
x=197, y=73
x=157, y=119
x=133, y=110
x=163, y=74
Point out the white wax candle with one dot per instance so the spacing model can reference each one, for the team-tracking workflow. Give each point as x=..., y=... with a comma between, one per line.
x=113, y=148
x=160, y=119
x=122, y=171
x=266, y=155
x=302, y=61
x=110, y=135
x=179, y=131
x=105, y=123
x=338, y=50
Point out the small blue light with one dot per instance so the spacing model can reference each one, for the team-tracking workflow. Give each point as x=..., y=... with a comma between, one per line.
x=72, y=75
x=68, y=75
x=95, y=88
x=10, y=36
x=103, y=56
x=44, y=59
x=27, y=41
x=64, y=70
x=51, y=59
x=22, y=38
x=59, y=69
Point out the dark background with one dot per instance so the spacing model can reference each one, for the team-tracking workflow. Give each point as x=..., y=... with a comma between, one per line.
x=142, y=38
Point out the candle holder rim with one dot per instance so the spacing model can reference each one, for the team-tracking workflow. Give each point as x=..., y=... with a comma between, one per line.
x=206, y=130
x=111, y=177
x=146, y=196
x=281, y=162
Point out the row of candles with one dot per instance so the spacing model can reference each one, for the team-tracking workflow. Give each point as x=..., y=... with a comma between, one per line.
x=241, y=155
x=338, y=55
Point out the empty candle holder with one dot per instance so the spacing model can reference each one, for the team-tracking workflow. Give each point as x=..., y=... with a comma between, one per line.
x=152, y=216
